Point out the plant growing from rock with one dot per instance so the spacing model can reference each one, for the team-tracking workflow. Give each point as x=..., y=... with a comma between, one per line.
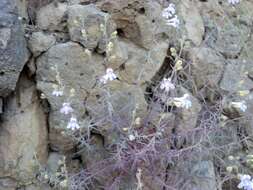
x=186, y=120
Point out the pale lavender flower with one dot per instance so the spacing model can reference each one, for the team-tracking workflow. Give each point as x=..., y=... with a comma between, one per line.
x=110, y=75
x=66, y=108
x=233, y=2
x=167, y=85
x=73, y=124
x=183, y=102
x=57, y=93
x=246, y=182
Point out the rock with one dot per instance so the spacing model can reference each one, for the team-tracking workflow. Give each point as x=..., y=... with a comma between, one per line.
x=125, y=102
x=142, y=65
x=38, y=187
x=237, y=76
x=40, y=42
x=13, y=51
x=22, y=8
x=23, y=134
x=53, y=162
x=8, y=184
x=193, y=22
x=117, y=55
x=66, y=67
x=188, y=117
x=31, y=67
x=34, y=6
x=147, y=31
x=228, y=36
x=95, y=154
x=231, y=39
x=243, y=17
x=85, y=2
x=1, y=105
x=52, y=17
x=89, y=26
x=205, y=176
x=207, y=66
x=137, y=21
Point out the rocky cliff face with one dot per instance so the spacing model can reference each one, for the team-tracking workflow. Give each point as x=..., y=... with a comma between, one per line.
x=125, y=94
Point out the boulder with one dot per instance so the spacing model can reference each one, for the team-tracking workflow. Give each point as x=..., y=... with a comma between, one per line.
x=138, y=21
x=89, y=26
x=8, y=184
x=228, y=36
x=1, y=105
x=205, y=176
x=142, y=64
x=51, y=17
x=119, y=101
x=237, y=76
x=13, y=51
x=40, y=42
x=207, y=66
x=23, y=134
x=193, y=22
x=116, y=55
x=66, y=67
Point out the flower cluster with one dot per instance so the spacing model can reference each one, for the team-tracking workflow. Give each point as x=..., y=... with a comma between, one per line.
x=66, y=108
x=110, y=75
x=246, y=183
x=233, y=2
x=167, y=85
x=183, y=102
x=170, y=16
x=57, y=93
x=73, y=124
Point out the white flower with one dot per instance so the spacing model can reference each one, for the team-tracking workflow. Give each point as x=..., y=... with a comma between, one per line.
x=57, y=93
x=183, y=102
x=73, y=124
x=66, y=108
x=167, y=85
x=173, y=22
x=169, y=14
x=233, y=2
x=246, y=182
x=108, y=76
x=131, y=137
x=169, y=11
x=239, y=105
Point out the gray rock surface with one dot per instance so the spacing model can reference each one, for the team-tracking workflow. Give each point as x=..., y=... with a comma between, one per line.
x=90, y=26
x=66, y=66
x=40, y=42
x=52, y=16
x=206, y=173
x=237, y=76
x=1, y=105
x=13, y=52
x=142, y=65
x=74, y=42
x=207, y=66
x=193, y=22
x=23, y=134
